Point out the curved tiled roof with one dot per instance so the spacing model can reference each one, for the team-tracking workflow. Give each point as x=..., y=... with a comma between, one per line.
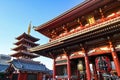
x=3, y=68
x=29, y=65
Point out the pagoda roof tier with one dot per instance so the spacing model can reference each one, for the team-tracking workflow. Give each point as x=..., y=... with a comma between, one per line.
x=21, y=47
x=24, y=53
x=23, y=41
x=107, y=27
x=76, y=12
x=26, y=36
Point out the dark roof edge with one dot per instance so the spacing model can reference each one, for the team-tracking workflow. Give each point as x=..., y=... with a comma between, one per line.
x=66, y=12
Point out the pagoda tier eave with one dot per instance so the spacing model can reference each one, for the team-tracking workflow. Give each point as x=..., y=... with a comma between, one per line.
x=23, y=53
x=20, y=47
x=28, y=36
x=26, y=41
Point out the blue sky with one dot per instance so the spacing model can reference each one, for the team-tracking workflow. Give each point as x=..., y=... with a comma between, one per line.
x=15, y=16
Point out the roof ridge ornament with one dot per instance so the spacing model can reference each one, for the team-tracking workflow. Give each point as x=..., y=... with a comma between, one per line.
x=29, y=28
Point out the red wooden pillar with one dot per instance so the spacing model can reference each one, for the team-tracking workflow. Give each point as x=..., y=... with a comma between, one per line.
x=87, y=65
x=39, y=76
x=95, y=71
x=25, y=76
x=68, y=68
x=20, y=76
x=115, y=58
x=54, y=70
x=11, y=76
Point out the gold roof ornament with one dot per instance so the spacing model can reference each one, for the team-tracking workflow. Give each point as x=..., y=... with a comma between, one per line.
x=29, y=28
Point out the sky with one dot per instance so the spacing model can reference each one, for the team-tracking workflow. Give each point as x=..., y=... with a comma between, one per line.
x=15, y=16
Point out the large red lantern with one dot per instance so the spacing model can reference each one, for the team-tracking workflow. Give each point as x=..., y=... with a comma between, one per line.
x=103, y=64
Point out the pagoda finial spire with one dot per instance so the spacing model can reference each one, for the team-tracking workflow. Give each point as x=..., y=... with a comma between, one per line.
x=29, y=28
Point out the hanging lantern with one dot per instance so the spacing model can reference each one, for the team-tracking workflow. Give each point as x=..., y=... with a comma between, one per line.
x=103, y=64
x=80, y=66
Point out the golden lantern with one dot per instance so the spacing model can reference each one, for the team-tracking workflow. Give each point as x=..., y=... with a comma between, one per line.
x=80, y=66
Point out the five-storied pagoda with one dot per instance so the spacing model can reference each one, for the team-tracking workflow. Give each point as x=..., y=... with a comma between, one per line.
x=23, y=67
x=84, y=41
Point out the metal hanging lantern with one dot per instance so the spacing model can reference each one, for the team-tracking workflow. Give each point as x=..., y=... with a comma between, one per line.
x=80, y=66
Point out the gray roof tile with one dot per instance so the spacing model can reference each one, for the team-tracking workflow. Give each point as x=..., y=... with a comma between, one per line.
x=29, y=66
x=3, y=68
